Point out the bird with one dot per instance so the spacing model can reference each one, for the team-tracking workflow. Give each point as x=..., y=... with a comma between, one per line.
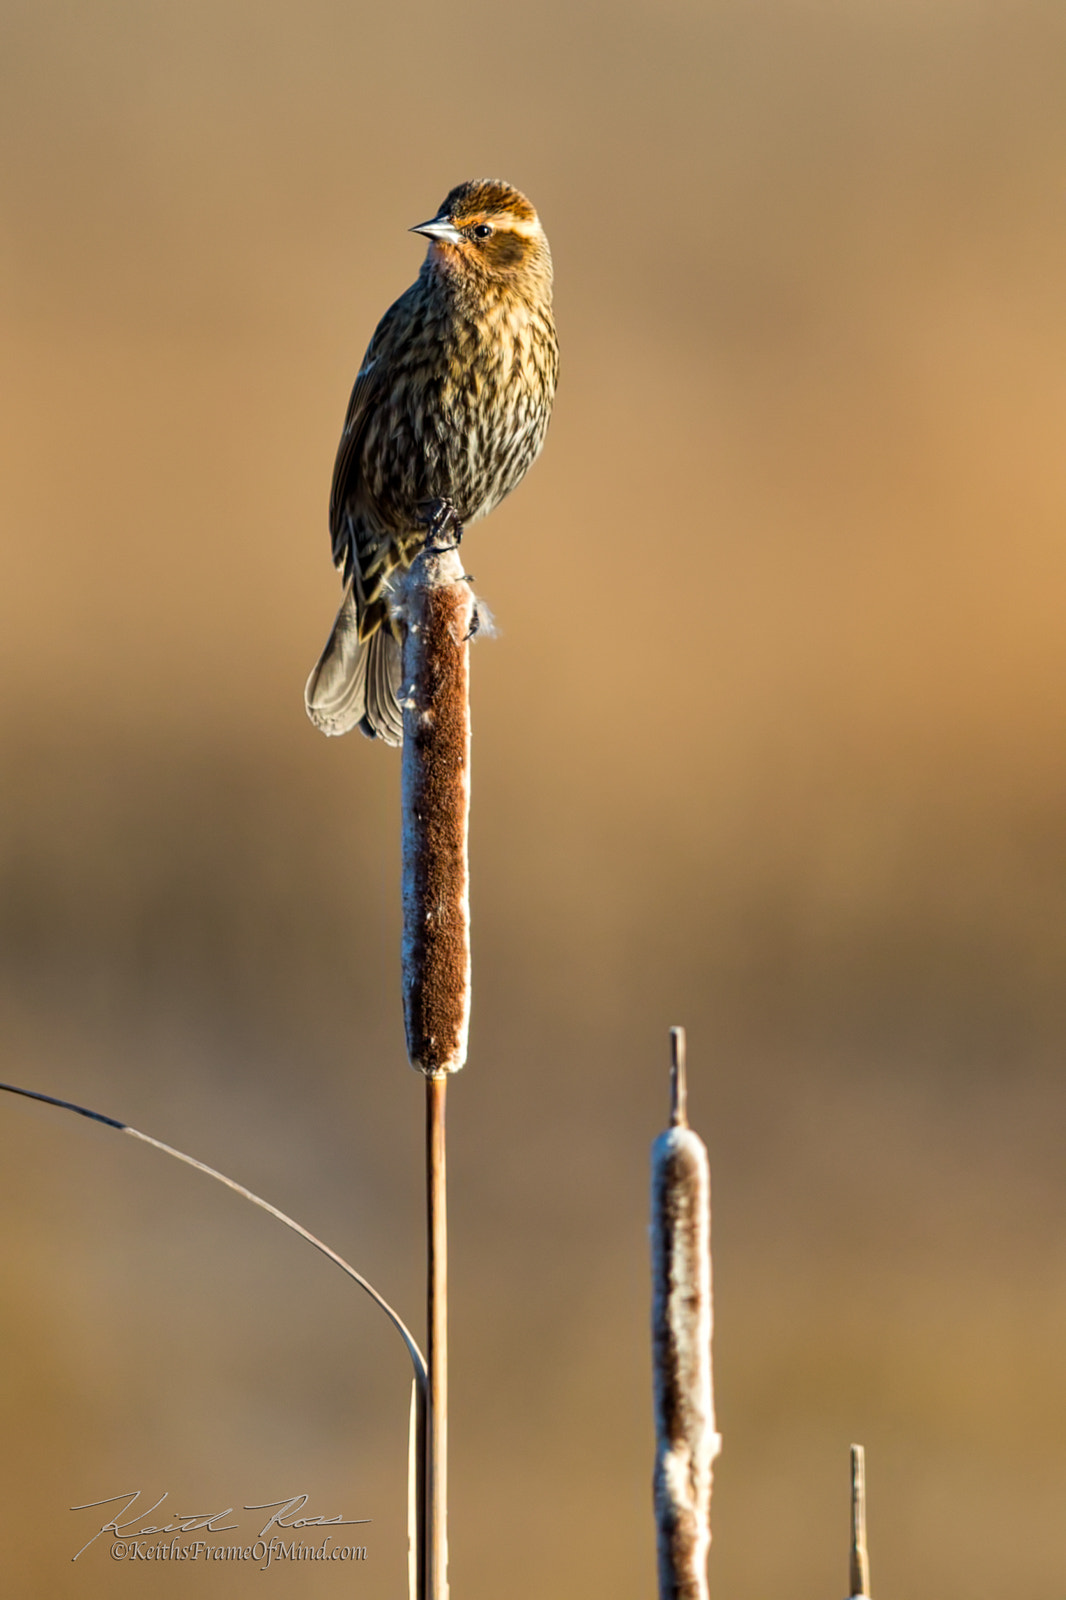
x=449, y=410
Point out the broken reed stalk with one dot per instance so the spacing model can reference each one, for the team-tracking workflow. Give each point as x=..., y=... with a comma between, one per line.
x=859, y=1564
x=686, y=1441
x=438, y=610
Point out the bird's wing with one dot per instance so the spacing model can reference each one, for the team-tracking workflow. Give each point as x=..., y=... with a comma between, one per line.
x=347, y=469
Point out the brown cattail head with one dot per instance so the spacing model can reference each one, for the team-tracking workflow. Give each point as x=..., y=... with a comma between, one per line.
x=686, y=1441
x=437, y=610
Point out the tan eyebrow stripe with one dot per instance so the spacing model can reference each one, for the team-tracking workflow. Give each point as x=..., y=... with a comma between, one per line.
x=504, y=220
x=506, y=223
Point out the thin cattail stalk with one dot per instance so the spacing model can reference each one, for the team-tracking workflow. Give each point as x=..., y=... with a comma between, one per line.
x=859, y=1564
x=436, y=1499
x=438, y=612
x=682, y=1324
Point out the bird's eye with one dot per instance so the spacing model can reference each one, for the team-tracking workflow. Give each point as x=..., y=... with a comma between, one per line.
x=482, y=231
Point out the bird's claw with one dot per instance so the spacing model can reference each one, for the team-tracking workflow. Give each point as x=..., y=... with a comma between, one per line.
x=440, y=516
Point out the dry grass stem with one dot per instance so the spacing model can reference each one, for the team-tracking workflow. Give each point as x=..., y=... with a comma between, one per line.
x=417, y=1359
x=416, y=1494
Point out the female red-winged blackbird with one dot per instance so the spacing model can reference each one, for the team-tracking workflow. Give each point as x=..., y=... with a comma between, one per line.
x=449, y=410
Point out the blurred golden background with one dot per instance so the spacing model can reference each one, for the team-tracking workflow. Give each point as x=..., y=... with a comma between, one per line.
x=773, y=744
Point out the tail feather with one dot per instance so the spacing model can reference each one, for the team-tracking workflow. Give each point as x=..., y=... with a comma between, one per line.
x=356, y=683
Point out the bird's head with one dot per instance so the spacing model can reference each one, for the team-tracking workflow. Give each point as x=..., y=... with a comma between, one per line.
x=489, y=229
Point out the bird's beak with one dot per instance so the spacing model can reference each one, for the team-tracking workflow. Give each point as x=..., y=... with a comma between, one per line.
x=440, y=228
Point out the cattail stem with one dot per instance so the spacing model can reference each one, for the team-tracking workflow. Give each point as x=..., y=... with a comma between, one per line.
x=859, y=1564
x=438, y=610
x=682, y=1323
x=436, y=1504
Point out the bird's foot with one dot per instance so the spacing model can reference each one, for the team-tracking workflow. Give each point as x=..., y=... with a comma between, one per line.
x=441, y=518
